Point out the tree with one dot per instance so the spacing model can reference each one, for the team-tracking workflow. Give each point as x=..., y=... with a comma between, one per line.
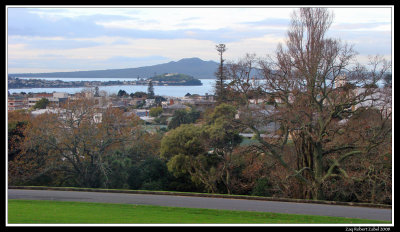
x=183, y=117
x=388, y=80
x=150, y=90
x=222, y=136
x=118, y=164
x=41, y=104
x=138, y=94
x=77, y=143
x=156, y=111
x=220, y=74
x=18, y=121
x=313, y=112
x=241, y=80
x=158, y=100
x=203, y=151
x=186, y=154
x=122, y=93
x=96, y=91
x=151, y=174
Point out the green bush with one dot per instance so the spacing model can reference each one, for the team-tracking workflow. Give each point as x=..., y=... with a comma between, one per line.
x=156, y=111
x=262, y=188
x=150, y=174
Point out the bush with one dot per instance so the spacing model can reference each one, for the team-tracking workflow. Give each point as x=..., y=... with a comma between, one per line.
x=41, y=104
x=150, y=174
x=156, y=111
x=262, y=188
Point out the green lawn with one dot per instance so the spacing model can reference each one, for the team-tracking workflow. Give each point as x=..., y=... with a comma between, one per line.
x=56, y=212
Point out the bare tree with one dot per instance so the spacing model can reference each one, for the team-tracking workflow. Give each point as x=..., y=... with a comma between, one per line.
x=318, y=92
x=241, y=79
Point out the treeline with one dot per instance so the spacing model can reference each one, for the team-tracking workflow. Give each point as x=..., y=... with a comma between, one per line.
x=199, y=153
x=75, y=148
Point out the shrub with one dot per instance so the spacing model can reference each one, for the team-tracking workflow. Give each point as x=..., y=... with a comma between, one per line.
x=262, y=188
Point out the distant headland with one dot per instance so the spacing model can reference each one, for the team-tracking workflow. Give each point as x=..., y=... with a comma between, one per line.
x=195, y=67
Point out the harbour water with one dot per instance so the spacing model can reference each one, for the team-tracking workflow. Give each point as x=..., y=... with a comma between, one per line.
x=173, y=91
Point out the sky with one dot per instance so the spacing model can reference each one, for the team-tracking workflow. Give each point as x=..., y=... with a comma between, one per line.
x=53, y=39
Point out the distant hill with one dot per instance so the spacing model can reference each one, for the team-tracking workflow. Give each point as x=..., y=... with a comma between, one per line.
x=195, y=67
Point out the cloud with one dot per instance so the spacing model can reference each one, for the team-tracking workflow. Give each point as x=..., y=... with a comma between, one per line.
x=370, y=27
x=139, y=61
x=45, y=23
x=269, y=23
x=144, y=23
x=55, y=63
x=25, y=23
x=90, y=38
x=365, y=15
x=261, y=46
x=51, y=43
x=137, y=52
x=366, y=42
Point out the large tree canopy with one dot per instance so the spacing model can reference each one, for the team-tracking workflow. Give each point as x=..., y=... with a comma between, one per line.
x=314, y=93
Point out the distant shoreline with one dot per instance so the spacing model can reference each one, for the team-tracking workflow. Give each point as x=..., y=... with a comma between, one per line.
x=175, y=91
x=26, y=83
x=34, y=77
x=60, y=87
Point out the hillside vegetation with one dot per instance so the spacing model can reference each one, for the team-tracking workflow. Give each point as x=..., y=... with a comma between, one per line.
x=175, y=79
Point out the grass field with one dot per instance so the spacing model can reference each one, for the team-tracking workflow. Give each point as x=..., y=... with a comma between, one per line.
x=57, y=212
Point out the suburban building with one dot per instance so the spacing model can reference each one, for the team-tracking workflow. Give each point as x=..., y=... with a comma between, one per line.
x=17, y=103
x=170, y=109
x=55, y=102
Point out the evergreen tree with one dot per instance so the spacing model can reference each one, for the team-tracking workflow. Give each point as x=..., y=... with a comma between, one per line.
x=150, y=90
x=220, y=91
x=41, y=104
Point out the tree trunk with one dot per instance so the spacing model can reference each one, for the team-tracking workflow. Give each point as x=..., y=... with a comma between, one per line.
x=318, y=172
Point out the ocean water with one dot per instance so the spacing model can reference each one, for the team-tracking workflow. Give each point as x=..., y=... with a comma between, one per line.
x=173, y=91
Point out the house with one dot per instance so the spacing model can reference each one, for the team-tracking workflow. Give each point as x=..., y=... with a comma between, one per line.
x=203, y=105
x=17, y=103
x=137, y=101
x=55, y=99
x=52, y=100
x=200, y=102
x=149, y=103
x=60, y=95
x=143, y=114
x=170, y=109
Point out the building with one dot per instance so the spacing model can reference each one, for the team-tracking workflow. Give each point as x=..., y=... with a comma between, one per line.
x=340, y=81
x=55, y=102
x=141, y=112
x=149, y=103
x=144, y=115
x=170, y=109
x=60, y=95
x=55, y=99
x=17, y=103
